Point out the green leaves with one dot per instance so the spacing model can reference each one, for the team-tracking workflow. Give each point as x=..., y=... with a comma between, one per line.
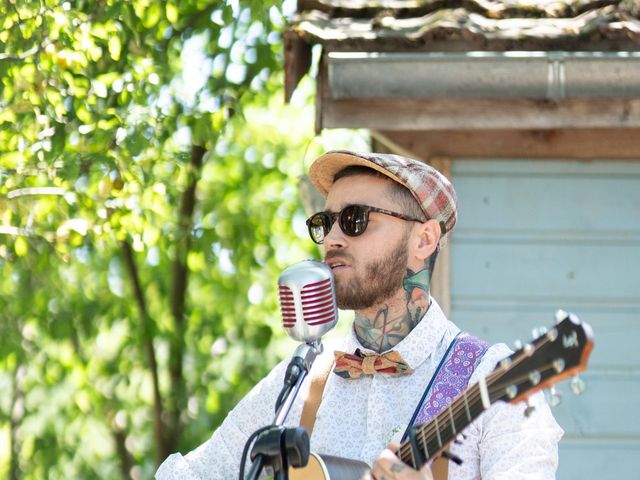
x=145, y=212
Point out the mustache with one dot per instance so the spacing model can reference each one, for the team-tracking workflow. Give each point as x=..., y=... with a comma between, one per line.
x=337, y=254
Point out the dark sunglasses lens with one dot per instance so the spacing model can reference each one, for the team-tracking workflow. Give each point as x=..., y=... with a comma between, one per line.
x=353, y=220
x=319, y=225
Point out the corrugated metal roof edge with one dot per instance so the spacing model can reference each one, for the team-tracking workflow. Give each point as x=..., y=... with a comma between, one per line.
x=613, y=26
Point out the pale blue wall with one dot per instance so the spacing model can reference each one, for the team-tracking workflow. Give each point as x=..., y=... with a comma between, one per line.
x=534, y=236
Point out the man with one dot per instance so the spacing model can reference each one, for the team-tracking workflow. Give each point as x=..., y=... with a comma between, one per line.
x=384, y=222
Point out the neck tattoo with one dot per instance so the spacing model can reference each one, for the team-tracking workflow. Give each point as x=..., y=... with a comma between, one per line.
x=386, y=328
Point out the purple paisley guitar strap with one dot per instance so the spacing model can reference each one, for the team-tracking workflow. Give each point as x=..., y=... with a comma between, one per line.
x=450, y=378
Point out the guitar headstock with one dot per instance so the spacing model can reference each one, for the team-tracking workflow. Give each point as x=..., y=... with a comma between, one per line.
x=553, y=356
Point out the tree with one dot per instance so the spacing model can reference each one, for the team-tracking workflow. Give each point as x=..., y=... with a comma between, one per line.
x=146, y=200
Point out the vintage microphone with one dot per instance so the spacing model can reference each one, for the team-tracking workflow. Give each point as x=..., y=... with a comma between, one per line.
x=307, y=300
x=309, y=310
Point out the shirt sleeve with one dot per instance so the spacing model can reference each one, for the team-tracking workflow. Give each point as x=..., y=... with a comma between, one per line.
x=219, y=457
x=513, y=446
x=510, y=445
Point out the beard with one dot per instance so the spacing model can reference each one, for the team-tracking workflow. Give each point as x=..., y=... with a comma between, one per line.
x=382, y=279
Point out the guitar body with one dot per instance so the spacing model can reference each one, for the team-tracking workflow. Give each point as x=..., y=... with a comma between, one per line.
x=326, y=467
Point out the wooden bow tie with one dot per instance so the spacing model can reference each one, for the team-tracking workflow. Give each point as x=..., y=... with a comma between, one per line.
x=354, y=365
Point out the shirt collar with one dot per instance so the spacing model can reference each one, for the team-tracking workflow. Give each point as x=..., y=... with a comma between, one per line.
x=421, y=342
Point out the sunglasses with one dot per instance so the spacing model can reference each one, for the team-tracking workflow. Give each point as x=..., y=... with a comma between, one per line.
x=353, y=221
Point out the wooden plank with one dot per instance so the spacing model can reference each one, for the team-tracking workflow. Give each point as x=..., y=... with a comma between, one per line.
x=561, y=167
x=441, y=285
x=297, y=61
x=605, y=407
x=559, y=273
x=322, y=96
x=542, y=200
x=441, y=282
x=580, y=460
x=588, y=143
x=471, y=114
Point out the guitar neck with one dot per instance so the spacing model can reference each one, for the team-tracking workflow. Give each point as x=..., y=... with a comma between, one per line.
x=553, y=356
x=434, y=436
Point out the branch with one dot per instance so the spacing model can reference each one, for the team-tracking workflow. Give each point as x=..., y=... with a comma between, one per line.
x=17, y=413
x=20, y=56
x=179, y=290
x=126, y=459
x=162, y=450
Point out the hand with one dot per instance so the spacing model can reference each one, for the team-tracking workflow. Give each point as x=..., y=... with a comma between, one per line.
x=389, y=467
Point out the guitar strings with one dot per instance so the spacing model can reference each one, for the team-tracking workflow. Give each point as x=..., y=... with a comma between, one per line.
x=426, y=435
x=406, y=450
x=455, y=408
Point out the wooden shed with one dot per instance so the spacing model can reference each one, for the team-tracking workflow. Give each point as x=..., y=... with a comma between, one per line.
x=533, y=110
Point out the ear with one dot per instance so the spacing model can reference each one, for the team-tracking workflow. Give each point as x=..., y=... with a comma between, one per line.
x=425, y=239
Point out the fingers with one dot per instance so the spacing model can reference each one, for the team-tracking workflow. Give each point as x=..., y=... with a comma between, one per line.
x=389, y=467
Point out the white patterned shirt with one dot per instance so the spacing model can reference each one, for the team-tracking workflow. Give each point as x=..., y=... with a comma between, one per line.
x=358, y=418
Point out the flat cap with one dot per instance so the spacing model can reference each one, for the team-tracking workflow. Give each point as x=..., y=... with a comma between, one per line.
x=431, y=189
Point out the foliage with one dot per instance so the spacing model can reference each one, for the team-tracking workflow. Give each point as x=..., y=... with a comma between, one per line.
x=147, y=190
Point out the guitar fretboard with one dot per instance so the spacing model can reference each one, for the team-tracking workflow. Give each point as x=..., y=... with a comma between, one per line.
x=529, y=369
x=434, y=436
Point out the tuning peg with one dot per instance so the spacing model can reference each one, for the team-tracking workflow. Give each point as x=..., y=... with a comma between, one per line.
x=538, y=332
x=561, y=315
x=460, y=437
x=577, y=385
x=505, y=363
x=528, y=349
x=554, y=397
x=529, y=410
x=517, y=345
x=558, y=365
x=535, y=377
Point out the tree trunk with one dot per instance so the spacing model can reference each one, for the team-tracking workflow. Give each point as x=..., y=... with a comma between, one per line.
x=163, y=447
x=178, y=295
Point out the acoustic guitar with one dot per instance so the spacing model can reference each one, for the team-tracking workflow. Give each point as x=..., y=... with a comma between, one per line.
x=553, y=356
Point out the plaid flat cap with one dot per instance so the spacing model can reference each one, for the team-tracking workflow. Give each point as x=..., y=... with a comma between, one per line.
x=431, y=189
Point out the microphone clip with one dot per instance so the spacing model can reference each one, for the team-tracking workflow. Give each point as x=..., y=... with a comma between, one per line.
x=302, y=359
x=300, y=364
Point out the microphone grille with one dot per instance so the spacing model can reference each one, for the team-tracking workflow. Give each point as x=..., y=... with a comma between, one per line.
x=307, y=300
x=318, y=305
x=287, y=306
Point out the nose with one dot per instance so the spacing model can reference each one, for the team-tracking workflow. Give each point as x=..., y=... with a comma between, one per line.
x=335, y=237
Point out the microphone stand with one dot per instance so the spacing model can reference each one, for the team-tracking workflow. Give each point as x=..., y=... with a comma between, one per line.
x=280, y=447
